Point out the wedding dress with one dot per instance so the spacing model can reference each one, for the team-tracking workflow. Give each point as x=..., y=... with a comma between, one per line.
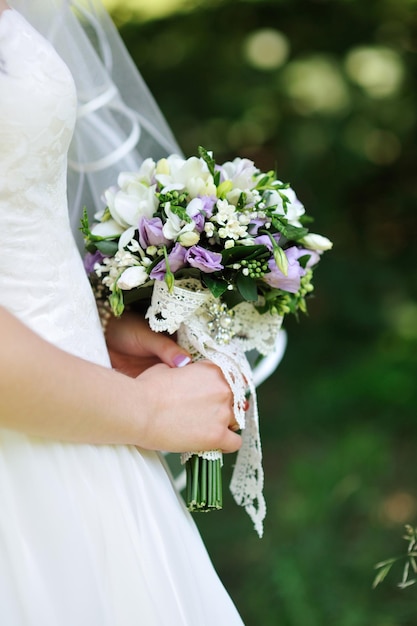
x=89, y=535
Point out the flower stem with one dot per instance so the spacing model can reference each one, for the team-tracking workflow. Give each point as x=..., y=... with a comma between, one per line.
x=204, y=484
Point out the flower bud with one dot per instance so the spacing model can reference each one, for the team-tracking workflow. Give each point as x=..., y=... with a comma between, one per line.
x=189, y=238
x=162, y=167
x=312, y=241
x=132, y=277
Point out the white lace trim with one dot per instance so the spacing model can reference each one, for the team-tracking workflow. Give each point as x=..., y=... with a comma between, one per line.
x=207, y=330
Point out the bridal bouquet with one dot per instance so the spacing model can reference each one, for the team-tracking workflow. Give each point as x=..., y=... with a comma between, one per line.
x=218, y=253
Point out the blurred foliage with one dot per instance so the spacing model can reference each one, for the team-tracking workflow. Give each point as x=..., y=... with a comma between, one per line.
x=325, y=92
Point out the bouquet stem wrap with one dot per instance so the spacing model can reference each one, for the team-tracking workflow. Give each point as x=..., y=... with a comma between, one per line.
x=206, y=330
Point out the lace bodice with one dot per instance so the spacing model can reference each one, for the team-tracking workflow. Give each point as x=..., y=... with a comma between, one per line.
x=42, y=279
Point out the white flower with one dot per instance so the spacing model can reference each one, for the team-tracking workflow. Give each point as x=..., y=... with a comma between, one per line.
x=145, y=174
x=292, y=209
x=252, y=196
x=228, y=220
x=131, y=202
x=188, y=238
x=312, y=241
x=234, y=195
x=109, y=228
x=132, y=277
x=175, y=226
x=162, y=167
x=191, y=174
x=273, y=198
x=241, y=172
x=126, y=238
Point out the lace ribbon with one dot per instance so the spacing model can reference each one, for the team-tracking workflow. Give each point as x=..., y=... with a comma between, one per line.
x=208, y=330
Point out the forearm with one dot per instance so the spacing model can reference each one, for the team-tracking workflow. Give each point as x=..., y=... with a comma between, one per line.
x=47, y=392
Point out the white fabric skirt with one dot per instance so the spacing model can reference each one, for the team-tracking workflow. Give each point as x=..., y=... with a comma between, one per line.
x=97, y=536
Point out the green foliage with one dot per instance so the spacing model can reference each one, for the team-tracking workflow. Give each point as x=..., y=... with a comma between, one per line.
x=338, y=419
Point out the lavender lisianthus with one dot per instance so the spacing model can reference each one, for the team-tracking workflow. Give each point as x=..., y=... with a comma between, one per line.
x=290, y=282
x=199, y=221
x=91, y=259
x=265, y=240
x=150, y=232
x=207, y=204
x=255, y=224
x=176, y=261
x=203, y=259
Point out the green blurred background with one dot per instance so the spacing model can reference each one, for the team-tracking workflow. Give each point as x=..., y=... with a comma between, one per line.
x=325, y=92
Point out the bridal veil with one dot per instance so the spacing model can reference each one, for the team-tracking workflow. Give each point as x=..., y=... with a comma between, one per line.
x=119, y=123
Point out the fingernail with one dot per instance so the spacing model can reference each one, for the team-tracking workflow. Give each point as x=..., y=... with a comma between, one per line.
x=181, y=359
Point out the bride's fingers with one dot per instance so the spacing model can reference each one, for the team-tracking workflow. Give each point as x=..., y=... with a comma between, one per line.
x=232, y=442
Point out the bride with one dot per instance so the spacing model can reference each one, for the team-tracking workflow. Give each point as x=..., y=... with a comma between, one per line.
x=92, y=532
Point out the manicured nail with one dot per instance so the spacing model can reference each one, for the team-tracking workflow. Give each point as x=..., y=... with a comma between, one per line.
x=181, y=359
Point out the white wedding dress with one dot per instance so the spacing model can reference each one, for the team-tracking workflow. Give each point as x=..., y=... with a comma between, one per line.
x=89, y=535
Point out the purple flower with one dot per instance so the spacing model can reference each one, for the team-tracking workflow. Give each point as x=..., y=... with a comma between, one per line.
x=265, y=240
x=256, y=224
x=150, y=232
x=203, y=259
x=199, y=221
x=208, y=203
x=291, y=282
x=176, y=260
x=91, y=259
x=314, y=256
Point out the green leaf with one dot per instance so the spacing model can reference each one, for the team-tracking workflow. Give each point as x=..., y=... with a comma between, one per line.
x=216, y=286
x=107, y=247
x=247, y=287
x=303, y=260
x=288, y=230
x=181, y=212
x=207, y=157
x=238, y=253
x=384, y=569
x=85, y=226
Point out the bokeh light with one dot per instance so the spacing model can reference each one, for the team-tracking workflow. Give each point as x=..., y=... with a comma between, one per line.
x=378, y=70
x=266, y=49
x=316, y=85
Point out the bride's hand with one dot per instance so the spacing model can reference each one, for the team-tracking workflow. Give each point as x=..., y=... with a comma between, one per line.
x=133, y=346
x=189, y=409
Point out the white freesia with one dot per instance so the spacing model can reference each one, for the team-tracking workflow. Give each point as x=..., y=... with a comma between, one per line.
x=132, y=277
x=135, y=200
x=175, y=226
x=162, y=167
x=241, y=172
x=312, y=241
x=109, y=228
x=292, y=210
x=126, y=237
x=147, y=171
x=273, y=198
x=191, y=174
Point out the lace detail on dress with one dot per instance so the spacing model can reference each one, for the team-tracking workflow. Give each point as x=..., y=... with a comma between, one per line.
x=191, y=311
